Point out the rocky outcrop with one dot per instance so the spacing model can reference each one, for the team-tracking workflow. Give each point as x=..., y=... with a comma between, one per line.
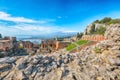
x=98, y=62
x=113, y=32
x=34, y=67
x=89, y=27
x=87, y=30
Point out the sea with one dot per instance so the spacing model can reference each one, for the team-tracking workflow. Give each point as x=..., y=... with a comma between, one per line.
x=36, y=41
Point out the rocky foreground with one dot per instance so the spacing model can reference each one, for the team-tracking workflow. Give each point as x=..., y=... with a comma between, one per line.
x=98, y=62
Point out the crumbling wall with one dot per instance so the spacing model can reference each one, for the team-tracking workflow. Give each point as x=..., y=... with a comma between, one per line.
x=93, y=37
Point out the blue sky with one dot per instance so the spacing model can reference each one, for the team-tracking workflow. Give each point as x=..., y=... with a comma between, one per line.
x=34, y=17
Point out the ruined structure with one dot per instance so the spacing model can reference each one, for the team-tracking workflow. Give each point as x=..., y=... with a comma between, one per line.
x=47, y=46
x=93, y=37
x=52, y=45
x=25, y=44
x=7, y=43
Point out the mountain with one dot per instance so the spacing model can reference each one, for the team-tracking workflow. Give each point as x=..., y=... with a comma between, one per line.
x=47, y=36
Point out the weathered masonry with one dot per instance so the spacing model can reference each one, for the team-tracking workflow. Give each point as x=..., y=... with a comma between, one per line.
x=93, y=37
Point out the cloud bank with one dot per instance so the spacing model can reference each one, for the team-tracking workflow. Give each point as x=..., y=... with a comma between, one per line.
x=26, y=26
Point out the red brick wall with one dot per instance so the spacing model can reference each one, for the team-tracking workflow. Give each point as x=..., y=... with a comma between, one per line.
x=93, y=37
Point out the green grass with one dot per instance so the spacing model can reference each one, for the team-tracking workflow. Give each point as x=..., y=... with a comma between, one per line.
x=81, y=42
x=70, y=47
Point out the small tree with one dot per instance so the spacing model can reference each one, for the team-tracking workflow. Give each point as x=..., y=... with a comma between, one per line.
x=79, y=35
x=105, y=20
x=0, y=35
x=92, y=31
x=96, y=21
x=101, y=30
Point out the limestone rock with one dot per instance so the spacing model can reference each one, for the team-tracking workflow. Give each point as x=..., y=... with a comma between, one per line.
x=113, y=32
x=22, y=76
x=7, y=60
x=28, y=70
x=34, y=72
x=89, y=27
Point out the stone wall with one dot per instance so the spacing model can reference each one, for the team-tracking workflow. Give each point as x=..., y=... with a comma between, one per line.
x=5, y=44
x=61, y=44
x=93, y=37
x=53, y=45
x=25, y=44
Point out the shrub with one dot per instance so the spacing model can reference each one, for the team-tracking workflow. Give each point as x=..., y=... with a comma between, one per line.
x=92, y=31
x=115, y=21
x=96, y=21
x=105, y=20
x=101, y=30
x=97, y=50
x=0, y=35
x=108, y=21
x=79, y=35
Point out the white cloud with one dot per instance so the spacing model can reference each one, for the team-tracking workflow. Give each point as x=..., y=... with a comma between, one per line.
x=8, y=17
x=32, y=28
x=59, y=17
x=69, y=31
x=42, y=21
